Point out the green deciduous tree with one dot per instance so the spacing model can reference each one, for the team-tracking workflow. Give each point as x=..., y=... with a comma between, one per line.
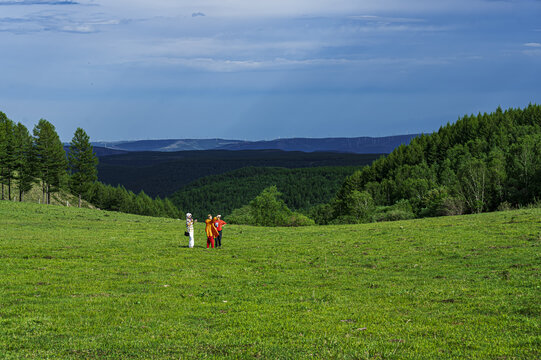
x=268, y=209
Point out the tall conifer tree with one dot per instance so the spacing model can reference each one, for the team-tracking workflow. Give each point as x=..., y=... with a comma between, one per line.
x=82, y=163
x=25, y=164
x=52, y=162
x=7, y=153
x=3, y=118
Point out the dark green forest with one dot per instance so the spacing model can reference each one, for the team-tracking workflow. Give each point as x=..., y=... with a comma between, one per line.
x=482, y=162
x=161, y=174
x=301, y=188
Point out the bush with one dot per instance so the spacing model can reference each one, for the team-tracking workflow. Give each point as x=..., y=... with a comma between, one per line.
x=345, y=219
x=393, y=215
x=242, y=216
x=322, y=214
x=298, y=219
x=434, y=202
x=401, y=210
x=453, y=206
x=505, y=206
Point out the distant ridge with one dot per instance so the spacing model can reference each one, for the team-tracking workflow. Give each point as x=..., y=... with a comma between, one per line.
x=102, y=151
x=167, y=145
x=356, y=145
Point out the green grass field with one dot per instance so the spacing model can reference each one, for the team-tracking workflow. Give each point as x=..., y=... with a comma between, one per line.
x=86, y=284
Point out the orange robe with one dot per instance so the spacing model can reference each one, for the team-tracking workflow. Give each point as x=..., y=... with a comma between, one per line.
x=210, y=229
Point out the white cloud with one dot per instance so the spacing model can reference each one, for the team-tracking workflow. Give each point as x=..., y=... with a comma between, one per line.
x=221, y=65
x=533, y=45
x=78, y=28
x=385, y=19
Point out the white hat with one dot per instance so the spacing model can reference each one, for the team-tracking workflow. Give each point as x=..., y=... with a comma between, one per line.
x=188, y=215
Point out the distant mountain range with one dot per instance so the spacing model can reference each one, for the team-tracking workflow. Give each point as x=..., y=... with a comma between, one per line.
x=357, y=145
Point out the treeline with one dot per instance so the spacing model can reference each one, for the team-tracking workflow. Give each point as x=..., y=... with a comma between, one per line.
x=301, y=189
x=480, y=163
x=119, y=199
x=40, y=160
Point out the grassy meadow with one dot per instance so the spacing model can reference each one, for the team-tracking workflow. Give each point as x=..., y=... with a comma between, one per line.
x=88, y=284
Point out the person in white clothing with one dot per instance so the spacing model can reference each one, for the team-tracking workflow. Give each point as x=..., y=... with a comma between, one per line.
x=189, y=228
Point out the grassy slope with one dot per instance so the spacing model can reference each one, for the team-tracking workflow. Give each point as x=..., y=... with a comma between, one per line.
x=79, y=283
x=35, y=195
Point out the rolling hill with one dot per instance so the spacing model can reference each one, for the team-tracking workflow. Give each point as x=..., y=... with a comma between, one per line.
x=162, y=173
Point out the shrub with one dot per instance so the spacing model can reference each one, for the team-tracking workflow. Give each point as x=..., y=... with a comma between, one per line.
x=393, y=215
x=453, y=206
x=345, y=219
x=434, y=202
x=298, y=219
x=401, y=210
x=322, y=214
x=242, y=216
x=505, y=206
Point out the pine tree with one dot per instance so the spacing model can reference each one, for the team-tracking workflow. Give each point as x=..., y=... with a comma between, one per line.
x=7, y=153
x=3, y=140
x=82, y=163
x=25, y=164
x=52, y=162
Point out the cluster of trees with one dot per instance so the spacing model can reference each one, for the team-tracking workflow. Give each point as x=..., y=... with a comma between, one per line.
x=480, y=163
x=268, y=209
x=301, y=188
x=27, y=160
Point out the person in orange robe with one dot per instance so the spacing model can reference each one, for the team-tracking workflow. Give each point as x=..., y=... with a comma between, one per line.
x=211, y=231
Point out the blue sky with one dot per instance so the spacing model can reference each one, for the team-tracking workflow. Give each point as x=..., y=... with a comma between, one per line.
x=244, y=69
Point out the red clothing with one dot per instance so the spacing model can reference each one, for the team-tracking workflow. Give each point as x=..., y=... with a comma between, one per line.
x=220, y=223
x=210, y=241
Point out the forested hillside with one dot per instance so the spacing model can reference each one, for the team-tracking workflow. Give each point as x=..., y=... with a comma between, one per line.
x=301, y=188
x=480, y=163
x=161, y=174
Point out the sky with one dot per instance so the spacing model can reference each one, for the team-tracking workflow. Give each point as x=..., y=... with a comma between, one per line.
x=260, y=70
